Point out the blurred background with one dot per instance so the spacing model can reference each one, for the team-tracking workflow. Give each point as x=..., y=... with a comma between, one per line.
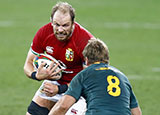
x=130, y=28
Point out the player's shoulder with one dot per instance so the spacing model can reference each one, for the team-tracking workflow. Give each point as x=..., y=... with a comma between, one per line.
x=45, y=30
x=81, y=35
x=89, y=70
x=80, y=28
x=117, y=72
x=46, y=26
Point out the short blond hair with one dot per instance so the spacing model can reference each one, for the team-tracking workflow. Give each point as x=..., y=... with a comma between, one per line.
x=63, y=7
x=96, y=51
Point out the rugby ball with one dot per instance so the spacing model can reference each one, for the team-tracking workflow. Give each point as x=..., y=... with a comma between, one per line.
x=48, y=59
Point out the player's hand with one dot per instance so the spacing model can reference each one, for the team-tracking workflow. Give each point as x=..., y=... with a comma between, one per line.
x=48, y=73
x=50, y=89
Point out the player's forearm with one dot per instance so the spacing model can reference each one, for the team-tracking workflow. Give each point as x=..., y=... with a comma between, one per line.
x=58, y=109
x=28, y=69
x=136, y=111
x=62, y=106
x=28, y=66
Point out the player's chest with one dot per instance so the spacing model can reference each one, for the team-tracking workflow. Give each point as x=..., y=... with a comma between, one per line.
x=65, y=52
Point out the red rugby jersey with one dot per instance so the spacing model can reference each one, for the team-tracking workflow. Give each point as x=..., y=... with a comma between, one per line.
x=69, y=52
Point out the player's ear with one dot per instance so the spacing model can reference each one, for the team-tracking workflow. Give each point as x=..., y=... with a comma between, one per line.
x=86, y=61
x=51, y=19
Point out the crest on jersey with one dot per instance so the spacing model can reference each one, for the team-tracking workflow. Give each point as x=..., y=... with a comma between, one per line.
x=49, y=49
x=69, y=54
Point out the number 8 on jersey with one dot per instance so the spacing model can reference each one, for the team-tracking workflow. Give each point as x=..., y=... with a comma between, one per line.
x=113, y=87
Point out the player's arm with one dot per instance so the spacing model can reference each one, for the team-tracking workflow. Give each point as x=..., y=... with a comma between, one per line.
x=136, y=111
x=62, y=105
x=28, y=66
x=41, y=73
x=51, y=89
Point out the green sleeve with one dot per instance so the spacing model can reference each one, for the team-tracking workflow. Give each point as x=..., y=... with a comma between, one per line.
x=133, y=101
x=75, y=87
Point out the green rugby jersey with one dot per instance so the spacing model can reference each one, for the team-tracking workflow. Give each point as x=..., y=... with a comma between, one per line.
x=107, y=90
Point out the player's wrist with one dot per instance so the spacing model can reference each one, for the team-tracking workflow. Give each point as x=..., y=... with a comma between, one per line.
x=62, y=88
x=33, y=76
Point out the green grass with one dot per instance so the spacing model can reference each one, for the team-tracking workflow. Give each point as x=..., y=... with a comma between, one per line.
x=131, y=29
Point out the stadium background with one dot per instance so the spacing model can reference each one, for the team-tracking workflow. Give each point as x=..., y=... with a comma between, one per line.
x=131, y=29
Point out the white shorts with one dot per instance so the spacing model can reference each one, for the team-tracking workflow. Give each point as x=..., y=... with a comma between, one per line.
x=78, y=108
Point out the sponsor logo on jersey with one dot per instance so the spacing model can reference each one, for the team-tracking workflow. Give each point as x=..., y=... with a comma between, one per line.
x=69, y=54
x=74, y=111
x=49, y=49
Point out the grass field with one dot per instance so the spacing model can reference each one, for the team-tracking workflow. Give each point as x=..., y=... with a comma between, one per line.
x=131, y=29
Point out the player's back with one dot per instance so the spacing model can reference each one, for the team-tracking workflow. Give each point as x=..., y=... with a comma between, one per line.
x=107, y=91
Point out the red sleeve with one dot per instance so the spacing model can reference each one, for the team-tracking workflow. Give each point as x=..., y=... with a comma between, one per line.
x=41, y=35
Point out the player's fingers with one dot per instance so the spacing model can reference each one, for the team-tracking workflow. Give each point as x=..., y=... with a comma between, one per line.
x=42, y=65
x=51, y=66
x=47, y=85
x=55, y=73
x=46, y=88
x=49, y=89
x=54, y=68
x=55, y=77
x=45, y=91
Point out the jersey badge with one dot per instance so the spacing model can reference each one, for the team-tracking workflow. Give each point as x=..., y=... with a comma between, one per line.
x=103, y=68
x=69, y=54
x=49, y=49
